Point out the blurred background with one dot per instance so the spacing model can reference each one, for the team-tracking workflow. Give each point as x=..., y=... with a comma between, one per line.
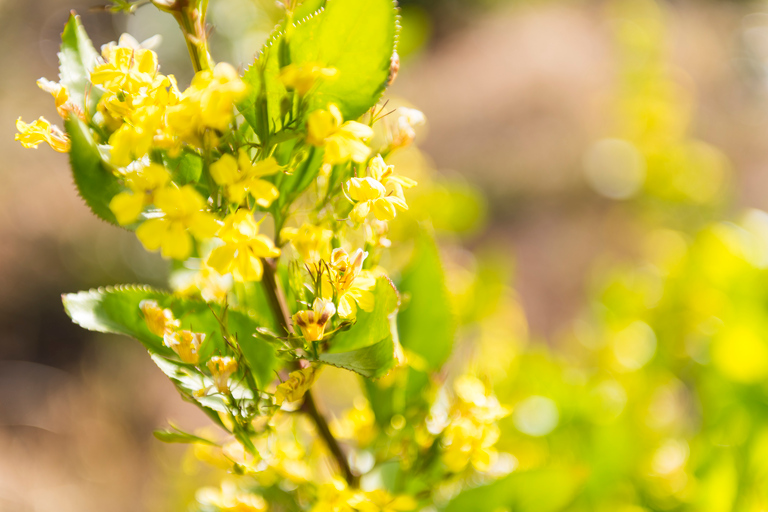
x=608, y=161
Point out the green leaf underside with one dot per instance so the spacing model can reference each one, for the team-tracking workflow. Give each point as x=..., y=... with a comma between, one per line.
x=95, y=183
x=543, y=490
x=116, y=310
x=76, y=59
x=370, y=346
x=426, y=324
x=357, y=38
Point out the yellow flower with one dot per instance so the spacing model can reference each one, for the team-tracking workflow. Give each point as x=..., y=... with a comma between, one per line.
x=403, y=133
x=133, y=139
x=369, y=195
x=312, y=322
x=342, y=141
x=351, y=283
x=380, y=500
x=31, y=135
x=206, y=282
x=310, y=241
x=240, y=177
x=468, y=441
x=243, y=248
x=207, y=103
x=125, y=69
x=183, y=219
x=159, y=321
x=334, y=496
x=302, y=77
x=231, y=499
x=221, y=369
x=185, y=343
x=296, y=385
x=128, y=205
x=385, y=174
x=376, y=233
x=59, y=93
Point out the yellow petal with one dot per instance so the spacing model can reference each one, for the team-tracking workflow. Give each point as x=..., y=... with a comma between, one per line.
x=127, y=207
x=383, y=209
x=221, y=259
x=224, y=170
x=263, y=192
x=152, y=232
x=177, y=243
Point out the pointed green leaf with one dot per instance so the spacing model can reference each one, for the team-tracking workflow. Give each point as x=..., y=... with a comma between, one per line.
x=358, y=40
x=177, y=436
x=116, y=310
x=76, y=60
x=426, y=322
x=96, y=184
x=370, y=347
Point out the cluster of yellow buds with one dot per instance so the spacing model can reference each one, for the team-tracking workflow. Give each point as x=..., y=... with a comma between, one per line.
x=471, y=433
x=335, y=496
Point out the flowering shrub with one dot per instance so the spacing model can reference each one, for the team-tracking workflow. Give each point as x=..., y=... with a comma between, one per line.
x=271, y=194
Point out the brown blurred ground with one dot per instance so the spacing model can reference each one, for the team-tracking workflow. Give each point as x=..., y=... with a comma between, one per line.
x=513, y=96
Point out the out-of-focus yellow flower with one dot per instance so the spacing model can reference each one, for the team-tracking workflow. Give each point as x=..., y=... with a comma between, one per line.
x=125, y=69
x=222, y=369
x=342, y=141
x=243, y=248
x=403, y=133
x=302, y=77
x=312, y=322
x=231, y=499
x=31, y=135
x=159, y=320
x=310, y=241
x=380, y=500
x=385, y=174
x=185, y=343
x=128, y=205
x=183, y=219
x=240, y=177
x=357, y=423
x=296, y=385
x=376, y=233
x=207, y=103
x=60, y=95
x=370, y=195
x=333, y=496
x=350, y=282
x=209, y=284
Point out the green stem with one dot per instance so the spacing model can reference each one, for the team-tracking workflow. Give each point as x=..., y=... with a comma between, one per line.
x=190, y=15
x=280, y=309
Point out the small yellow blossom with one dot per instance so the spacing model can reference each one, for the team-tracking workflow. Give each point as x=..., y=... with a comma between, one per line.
x=350, y=282
x=376, y=233
x=206, y=282
x=31, y=135
x=59, y=93
x=296, y=385
x=312, y=322
x=243, y=248
x=369, y=195
x=403, y=133
x=221, y=369
x=184, y=218
x=134, y=139
x=231, y=499
x=185, y=343
x=385, y=174
x=241, y=177
x=380, y=500
x=207, y=103
x=143, y=183
x=342, y=141
x=333, y=496
x=125, y=69
x=313, y=243
x=302, y=77
x=159, y=321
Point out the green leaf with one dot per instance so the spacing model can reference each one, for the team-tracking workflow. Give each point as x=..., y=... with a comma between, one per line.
x=185, y=168
x=76, y=60
x=179, y=436
x=370, y=347
x=96, y=184
x=426, y=323
x=544, y=490
x=116, y=310
x=358, y=39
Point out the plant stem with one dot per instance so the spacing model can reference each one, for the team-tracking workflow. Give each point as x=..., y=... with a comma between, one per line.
x=190, y=15
x=280, y=309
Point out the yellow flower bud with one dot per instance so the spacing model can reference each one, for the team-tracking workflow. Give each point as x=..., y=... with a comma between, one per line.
x=312, y=322
x=221, y=369
x=159, y=321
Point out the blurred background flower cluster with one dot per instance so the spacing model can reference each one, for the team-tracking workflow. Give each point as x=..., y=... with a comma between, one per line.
x=599, y=171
